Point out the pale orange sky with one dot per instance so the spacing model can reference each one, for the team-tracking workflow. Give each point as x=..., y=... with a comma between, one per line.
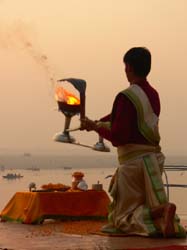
x=87, y=39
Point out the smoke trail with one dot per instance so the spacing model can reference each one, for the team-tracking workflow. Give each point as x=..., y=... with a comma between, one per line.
x=17, y=35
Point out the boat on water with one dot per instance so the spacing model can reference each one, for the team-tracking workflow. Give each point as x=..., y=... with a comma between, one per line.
x=66, y=168
x=26, y=154
x=12, y=176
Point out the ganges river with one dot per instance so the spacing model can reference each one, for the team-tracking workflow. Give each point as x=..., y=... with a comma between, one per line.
x=58, y=170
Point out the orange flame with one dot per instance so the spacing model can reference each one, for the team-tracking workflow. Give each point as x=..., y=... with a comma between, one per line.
x=62, y=95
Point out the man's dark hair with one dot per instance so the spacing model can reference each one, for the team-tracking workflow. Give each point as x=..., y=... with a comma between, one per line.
x=139, y=58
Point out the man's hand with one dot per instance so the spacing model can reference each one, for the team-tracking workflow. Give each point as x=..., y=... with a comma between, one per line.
x=87, y=124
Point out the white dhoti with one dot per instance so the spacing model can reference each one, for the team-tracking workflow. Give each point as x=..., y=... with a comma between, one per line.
x=137, y=188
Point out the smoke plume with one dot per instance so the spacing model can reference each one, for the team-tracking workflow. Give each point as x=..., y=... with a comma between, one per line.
x=18, y=35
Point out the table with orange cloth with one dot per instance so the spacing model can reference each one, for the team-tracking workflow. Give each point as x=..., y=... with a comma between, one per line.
x=35, y=207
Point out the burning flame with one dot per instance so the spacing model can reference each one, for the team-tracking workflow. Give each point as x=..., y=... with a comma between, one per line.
x=62, y=95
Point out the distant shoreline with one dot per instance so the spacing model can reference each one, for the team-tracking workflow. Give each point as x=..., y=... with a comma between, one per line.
x=96, y=160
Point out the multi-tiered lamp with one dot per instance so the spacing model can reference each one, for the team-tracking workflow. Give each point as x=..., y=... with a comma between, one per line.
x=70, y=105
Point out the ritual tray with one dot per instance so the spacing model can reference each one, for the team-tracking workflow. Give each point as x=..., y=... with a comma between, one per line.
x=52, y=190
x=43, y=190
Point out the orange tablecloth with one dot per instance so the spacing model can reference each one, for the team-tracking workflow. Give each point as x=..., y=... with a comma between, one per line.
x=34, y=207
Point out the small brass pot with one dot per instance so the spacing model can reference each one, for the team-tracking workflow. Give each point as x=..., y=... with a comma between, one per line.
x=97, y=187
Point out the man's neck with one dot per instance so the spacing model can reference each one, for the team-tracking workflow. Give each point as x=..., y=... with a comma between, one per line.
x=138, y=80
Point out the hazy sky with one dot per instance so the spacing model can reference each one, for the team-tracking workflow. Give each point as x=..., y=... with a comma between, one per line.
x=43, y=39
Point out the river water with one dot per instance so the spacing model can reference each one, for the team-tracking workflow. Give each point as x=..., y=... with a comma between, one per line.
x=92, y=176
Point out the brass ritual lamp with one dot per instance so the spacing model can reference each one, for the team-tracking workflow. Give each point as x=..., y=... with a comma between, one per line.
x=70, y=106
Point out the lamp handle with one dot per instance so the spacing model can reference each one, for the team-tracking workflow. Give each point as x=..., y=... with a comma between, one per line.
x=73, y=129
x=82, y=105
